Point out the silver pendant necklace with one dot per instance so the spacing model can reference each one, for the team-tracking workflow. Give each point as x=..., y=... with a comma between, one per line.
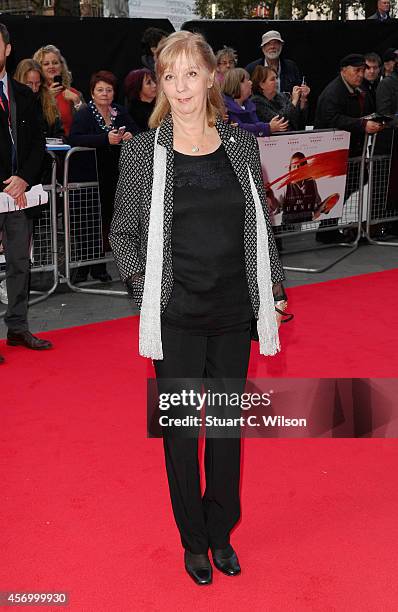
x=195, y=149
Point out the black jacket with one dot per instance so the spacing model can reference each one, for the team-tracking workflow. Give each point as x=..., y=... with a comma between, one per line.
x=27, y=134
x=378, y=17
x=85, y=132
x=289, y=74
x=371, y=88
x=280, y=106
x=387, y=95
x=339, y=109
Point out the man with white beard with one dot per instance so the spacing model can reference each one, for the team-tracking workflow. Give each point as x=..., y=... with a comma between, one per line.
x=287, y=70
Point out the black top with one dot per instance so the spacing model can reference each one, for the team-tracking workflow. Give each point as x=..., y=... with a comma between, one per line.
x=210, y=291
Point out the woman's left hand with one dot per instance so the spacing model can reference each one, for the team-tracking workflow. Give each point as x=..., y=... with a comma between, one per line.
x=127, y=136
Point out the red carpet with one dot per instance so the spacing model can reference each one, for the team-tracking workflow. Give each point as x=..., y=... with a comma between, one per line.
x=85, y=506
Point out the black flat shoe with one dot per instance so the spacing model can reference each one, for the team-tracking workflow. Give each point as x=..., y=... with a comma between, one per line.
x=27, y=340
x=226, y=561
x=198, y=567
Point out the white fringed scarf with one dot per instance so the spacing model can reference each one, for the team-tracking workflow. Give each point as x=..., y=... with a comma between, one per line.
x=150, y=339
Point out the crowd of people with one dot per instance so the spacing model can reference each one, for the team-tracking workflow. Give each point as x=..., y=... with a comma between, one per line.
x=269, y=95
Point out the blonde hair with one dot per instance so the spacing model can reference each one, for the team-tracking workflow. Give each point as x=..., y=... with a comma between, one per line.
x=49, y=108
x=232, y=80
x=195, y=47
x=65, y=72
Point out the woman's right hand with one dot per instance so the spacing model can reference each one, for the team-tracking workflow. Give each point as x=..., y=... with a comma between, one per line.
x=55, y=88
x=114, y=137
x=278, y=124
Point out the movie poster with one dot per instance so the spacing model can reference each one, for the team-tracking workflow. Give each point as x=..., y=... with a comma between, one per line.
x=304, y=175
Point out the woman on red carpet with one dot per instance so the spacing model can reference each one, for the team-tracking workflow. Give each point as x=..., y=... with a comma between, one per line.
x=193, y=242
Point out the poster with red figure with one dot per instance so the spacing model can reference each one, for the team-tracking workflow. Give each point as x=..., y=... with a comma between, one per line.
x=305, y=175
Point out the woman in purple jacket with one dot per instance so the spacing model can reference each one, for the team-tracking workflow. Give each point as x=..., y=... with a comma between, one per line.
x=237, y=89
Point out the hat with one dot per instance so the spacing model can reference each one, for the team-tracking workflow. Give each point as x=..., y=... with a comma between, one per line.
x=389, y=55
x=354, y=59
x=271, y=35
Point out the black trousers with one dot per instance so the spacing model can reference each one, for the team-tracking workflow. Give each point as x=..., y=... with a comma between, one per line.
x=17, y=231
x=206, y=521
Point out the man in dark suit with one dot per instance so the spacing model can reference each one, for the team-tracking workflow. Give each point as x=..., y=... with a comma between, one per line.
x=383, y=11
x=22, y=150
x=287, y=71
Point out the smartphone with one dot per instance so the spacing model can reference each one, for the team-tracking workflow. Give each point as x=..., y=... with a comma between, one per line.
x=121, y=130
x=58, y=79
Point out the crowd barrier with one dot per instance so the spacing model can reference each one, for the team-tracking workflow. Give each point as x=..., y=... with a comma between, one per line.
x=83, y=227
x=381, y=207
x=69, y=237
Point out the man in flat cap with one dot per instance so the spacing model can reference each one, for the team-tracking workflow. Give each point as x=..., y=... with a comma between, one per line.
x=343, y=105
x=287, y=71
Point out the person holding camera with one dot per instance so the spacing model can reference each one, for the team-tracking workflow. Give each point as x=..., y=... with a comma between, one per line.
x=103, y=125
x=59, y=79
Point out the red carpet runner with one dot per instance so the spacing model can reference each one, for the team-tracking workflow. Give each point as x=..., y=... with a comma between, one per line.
x=85, y=506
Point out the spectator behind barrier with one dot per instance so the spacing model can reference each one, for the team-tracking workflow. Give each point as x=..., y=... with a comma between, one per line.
x=342, y=106
x=287, y=71
x=149, y=41
x=29, y=73
x=387, y=96
x=226, y=58
x=237, y=89
x=269, y=103
x=68, y=99
x=372, y=75
x=100, y=124
x=140, y=90
x=383, y=11
x=389, y=62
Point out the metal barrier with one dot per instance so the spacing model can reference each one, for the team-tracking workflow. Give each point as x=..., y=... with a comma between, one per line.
x=82, y=222
x=378, y=209
x=83, y=228
x=44, y=241
x=350, y=219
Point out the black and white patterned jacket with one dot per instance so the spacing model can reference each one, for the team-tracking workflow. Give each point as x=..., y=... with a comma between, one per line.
x=130, y=224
